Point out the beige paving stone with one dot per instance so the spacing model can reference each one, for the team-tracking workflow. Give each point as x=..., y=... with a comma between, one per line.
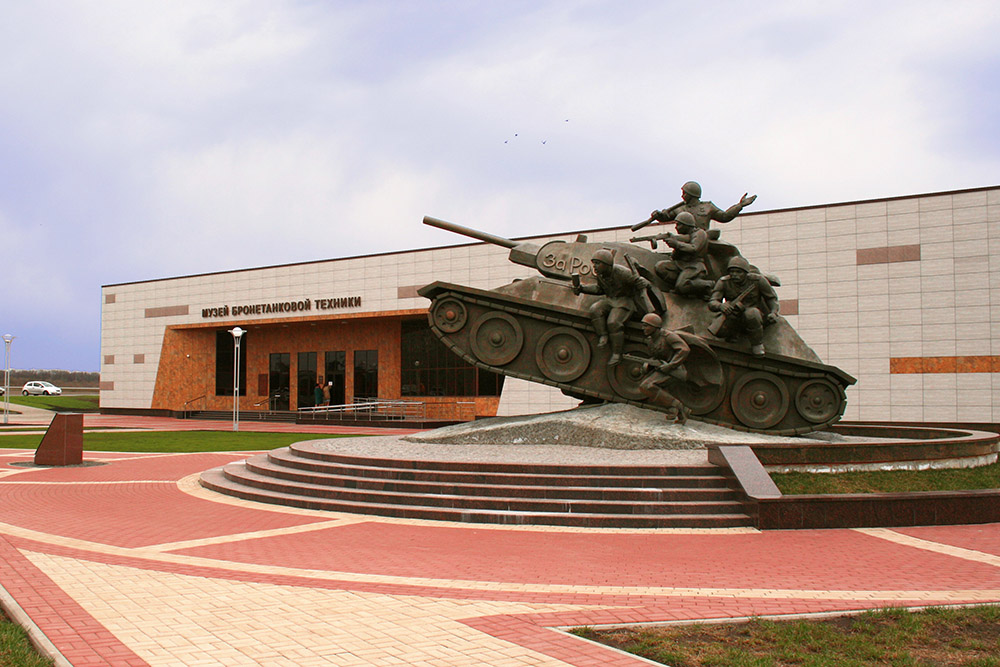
x=957, y=552
x=396, y=627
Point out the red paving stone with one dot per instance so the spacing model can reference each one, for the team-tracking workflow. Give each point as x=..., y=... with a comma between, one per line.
x=819, y=560
x=75, y=633
x=985, y=537
x=134, y=502
x=130, y=515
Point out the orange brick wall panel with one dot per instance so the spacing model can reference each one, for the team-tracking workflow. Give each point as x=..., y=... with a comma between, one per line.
x=187, y=360
x=974, y=364
x=380, y=334
x=965, y=364
x=462, y=408
x=187, y=372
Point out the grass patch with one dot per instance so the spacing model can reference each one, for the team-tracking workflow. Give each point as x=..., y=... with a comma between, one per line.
x=75, y=403
x=15, y=649
x=173, y=441
x=957, y=479
x=937, y=636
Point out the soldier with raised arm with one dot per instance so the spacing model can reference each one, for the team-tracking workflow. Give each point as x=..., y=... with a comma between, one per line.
x=624, y=292
x=746, y=303
x=703, y=211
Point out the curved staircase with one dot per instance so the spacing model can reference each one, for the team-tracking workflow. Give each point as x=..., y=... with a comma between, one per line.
x=645, y=496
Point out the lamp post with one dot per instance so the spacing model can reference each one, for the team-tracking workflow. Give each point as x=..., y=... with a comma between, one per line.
x=7, y=340
x=237, y=335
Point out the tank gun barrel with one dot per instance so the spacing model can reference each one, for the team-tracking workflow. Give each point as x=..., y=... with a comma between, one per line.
x=471, y=233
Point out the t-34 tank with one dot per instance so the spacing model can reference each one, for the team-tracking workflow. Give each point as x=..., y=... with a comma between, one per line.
x=538, y=329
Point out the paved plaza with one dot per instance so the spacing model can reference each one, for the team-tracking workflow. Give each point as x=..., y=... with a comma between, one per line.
x=133, y=563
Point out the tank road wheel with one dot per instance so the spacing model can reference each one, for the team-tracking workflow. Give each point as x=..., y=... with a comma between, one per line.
x=563, y=354
x=759, y=400
x=705, y=387
x=497, y=338
x=626, y=376
x=700, y=400
x=450, y=315
x=818, y=401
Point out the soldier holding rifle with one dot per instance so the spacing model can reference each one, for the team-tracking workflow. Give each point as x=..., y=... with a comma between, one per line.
x=746, y=303
x=685, y=271
x=668, y=352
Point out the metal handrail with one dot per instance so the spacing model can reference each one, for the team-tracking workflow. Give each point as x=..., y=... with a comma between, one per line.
x=368, y=409
x=186, y=412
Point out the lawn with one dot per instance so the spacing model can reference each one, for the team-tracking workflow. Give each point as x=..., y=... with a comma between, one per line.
x=172, y=441
x=75, y=403
x=15, y=649
x=936, y=636
x=953, y=479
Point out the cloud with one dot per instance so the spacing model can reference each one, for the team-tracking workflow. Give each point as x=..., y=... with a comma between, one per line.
x=147, y=139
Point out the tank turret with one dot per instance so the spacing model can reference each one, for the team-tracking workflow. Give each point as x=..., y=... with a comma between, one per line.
x=542, y=329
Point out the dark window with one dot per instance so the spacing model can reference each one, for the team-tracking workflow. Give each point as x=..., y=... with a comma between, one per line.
x=365, y=374
x=225, y=354
x=279, y=380
x=336, y=363
x=431, y=369
x=307, y=379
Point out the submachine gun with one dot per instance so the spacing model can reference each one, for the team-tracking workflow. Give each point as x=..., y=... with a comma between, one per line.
x=715, y=326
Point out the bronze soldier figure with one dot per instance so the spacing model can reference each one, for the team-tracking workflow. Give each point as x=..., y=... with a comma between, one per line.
x=669, y=351
x=685, y=272
x=703, y=211
x=746, y=303
x=624, y=293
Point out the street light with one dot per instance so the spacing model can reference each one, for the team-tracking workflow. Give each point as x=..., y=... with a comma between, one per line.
x=237, y=335
x=7, y=340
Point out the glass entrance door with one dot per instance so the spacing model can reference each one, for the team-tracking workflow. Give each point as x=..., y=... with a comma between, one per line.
x=279, y=380
x=307, y=379
x=365, y=374
x=335, y=374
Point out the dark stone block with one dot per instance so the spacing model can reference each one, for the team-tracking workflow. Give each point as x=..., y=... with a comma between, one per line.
x=62, y=444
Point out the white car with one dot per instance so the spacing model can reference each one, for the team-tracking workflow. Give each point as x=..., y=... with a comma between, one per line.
x=36, y=388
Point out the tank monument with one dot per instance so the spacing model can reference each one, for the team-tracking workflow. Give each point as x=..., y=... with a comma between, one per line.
x=692, y=331
x=692, y=388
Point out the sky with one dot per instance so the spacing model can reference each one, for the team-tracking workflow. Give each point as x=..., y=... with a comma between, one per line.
x=147, y=139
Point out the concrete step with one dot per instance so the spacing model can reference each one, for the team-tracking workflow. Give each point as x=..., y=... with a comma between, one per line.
x=216, y=480
x=504, y=474
x=501, y=492
x=493, y=499
x=674, y=488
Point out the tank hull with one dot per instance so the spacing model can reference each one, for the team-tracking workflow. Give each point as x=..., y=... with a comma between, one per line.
x=519, y=332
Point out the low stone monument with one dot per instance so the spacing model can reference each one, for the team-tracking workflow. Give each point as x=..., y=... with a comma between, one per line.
x=62, y=444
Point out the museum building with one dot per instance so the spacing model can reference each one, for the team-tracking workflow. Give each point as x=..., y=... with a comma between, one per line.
x=903, y=293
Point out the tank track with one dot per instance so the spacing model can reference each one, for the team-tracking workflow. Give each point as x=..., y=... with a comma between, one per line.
x=556, y=346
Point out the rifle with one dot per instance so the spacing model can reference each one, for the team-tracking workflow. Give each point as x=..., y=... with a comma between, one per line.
x=668, y=214
x=652, y=239
x=645, y=361
x=677, y=371
x=719, y=321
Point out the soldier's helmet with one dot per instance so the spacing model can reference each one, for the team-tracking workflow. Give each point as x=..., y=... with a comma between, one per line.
x=653, y=320
x=739, y=263
x=603, y=255
x=686, y=219
x=691, y=188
